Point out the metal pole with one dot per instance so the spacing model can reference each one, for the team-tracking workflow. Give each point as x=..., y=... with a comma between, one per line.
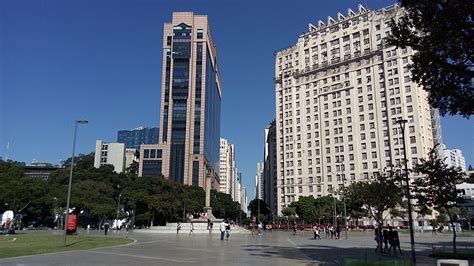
x=70, y=179
x=118, y=206
x=407, y=188
x=69, y=186
x=345, y=214
x=335, y=211
x=345, y=206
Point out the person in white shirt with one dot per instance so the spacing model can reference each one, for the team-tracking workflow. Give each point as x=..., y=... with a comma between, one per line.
x=222, y=228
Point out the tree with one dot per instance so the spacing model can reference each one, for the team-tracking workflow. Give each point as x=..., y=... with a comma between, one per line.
x=436, y=187
x=440, y=32
x=305, y=207
x=288, y=211
x=254, y=207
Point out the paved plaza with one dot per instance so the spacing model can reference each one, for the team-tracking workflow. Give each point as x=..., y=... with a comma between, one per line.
x=272, y=248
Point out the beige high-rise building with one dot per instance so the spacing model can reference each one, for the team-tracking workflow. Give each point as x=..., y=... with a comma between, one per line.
x=227, y=167
x=340, y=91
x=188, y=148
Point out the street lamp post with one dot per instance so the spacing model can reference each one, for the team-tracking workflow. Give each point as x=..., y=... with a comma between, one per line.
x=332, y=191
x=345, y=206
x=118, y=210
x=402, y=123
x=70, y=178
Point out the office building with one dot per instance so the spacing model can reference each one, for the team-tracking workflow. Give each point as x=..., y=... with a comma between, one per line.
x=454, y=158
x=270, y=167
x=237, y=185
x=340, y=92
x=110, y=153
x=135, y=137
x=226, y=167
x=259, y=181
x=243, y=199
x=40, y=170
x=188, y=148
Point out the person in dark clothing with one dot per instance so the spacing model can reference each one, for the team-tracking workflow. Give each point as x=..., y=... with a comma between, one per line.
x=385, y=237
x=378, y=238
x=106, y=228
x=395, y=242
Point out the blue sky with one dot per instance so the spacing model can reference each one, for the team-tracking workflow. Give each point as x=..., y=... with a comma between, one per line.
x=101, y=60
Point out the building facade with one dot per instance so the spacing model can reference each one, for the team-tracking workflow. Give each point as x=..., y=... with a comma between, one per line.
x=243, y=199
x=340, y=92
x=110, y=153
x=190, y=104
x=238, y=186
x=259, y=185
x=40, y=170
x=226, y=167
x=454, y=158
x=270, y=167
x=135, y=137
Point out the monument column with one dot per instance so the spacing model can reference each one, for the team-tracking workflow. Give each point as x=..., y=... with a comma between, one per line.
x=208, y=208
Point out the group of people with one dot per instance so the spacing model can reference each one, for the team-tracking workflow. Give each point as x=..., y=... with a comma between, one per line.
x=225, y=229
x=256, y=228
x=199, y=215
x=330, y=232
x=387, y=240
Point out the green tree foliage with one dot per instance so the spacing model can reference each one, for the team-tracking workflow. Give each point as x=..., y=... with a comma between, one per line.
x=317, y=210
x=436, y=187
x=441, y=32
x=288, y=211
x=21, y=193
x=254, y=207
x=305, y=207
x=376, y=197
x=96, y=192
x=223, y=206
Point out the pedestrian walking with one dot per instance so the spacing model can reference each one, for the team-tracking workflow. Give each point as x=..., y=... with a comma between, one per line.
x=222, y=228
x=191, y=229
x=378, y=238
x=326, y=230
x=211, y=225
x=178, y=227
x=260, y=228
x=316, y=233
x=338, y=232
x=106, y=227
x=386, y=238
x=227, y=231
x=395, y=242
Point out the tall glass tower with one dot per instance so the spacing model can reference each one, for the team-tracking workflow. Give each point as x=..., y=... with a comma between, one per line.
x=135, y=137
x=190, y=103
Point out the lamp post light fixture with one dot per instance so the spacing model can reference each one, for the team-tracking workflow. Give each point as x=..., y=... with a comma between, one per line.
x=70, y=178
x=402, y=123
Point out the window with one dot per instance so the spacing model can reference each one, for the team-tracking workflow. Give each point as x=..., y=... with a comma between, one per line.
x=200, y=33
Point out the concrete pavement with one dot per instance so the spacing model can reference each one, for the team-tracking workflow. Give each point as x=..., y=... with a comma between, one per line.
x=272, y=248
